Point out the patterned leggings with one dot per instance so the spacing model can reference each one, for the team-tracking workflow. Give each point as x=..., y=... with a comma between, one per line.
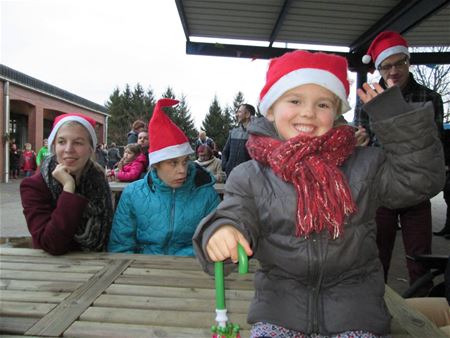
x=266, y=330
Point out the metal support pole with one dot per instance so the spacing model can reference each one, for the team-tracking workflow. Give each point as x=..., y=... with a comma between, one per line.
x=5, y=132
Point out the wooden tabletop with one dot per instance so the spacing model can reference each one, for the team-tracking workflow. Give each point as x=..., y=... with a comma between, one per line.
x=124, y=295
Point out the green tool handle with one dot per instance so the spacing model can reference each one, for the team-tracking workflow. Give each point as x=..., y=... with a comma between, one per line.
x=219, y=278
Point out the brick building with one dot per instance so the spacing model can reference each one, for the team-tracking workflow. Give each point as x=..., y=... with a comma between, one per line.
x=28, y=107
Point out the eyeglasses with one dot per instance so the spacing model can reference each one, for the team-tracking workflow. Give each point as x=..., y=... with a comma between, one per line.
x=389, y=66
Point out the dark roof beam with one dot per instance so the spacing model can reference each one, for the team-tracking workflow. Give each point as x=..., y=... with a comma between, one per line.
x=401, y=18
x=183, y=19
x=280, y=21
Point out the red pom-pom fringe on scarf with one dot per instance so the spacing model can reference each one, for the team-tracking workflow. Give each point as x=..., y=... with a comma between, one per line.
x=311, y=165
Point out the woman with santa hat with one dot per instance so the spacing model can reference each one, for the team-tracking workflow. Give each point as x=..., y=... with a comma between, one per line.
x=159, y=214
x=67, y=205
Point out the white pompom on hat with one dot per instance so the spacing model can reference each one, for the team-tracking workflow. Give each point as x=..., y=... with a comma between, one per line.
x=383, y=46
x=302, y=67
x=87, y=122
x=167, y=140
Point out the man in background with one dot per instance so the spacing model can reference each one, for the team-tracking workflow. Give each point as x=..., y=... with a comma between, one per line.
x=390, y=56
x=235, y=151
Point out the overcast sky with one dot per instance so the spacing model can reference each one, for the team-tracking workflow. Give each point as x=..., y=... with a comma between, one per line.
x=90, y=47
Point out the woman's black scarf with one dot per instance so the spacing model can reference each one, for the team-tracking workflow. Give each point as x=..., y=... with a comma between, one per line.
x=93, y=232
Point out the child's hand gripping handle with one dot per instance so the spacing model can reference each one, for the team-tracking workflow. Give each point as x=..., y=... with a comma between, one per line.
x=221, y=311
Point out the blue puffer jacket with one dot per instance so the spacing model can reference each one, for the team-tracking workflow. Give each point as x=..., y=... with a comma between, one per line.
x=153, y=218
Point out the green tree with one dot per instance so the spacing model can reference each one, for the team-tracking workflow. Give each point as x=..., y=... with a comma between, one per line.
x=237, y=101
x=215, y=124
x=180, y=115
x=125, y=108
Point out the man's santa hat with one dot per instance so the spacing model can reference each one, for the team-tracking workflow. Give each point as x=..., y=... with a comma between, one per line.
x=385, y=45
x=301, y=67
x=87, y=122
x=166, y=139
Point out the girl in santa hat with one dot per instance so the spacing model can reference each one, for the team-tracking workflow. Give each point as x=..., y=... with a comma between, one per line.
x=304, y=206
x=159, y=214
x=67, y=205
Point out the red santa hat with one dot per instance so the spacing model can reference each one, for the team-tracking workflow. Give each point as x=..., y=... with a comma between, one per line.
x=166, y=139
x=301, y=67
x=385, y=45
x=87, y=122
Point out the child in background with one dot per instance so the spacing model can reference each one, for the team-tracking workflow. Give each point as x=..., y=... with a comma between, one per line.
x=304, y=206
x=131, y=166
x=28, y=160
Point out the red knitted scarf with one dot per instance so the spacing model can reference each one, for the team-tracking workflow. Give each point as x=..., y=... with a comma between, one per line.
x=311, y=165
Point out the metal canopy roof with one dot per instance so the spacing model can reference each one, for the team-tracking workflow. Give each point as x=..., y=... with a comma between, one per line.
x=345, y=23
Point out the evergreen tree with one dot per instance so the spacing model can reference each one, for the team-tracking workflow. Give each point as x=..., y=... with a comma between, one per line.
x=125, y=108
x=180, y=115
x=215, y=124
x=237, y=101
x=186, y=120
x=117, y=117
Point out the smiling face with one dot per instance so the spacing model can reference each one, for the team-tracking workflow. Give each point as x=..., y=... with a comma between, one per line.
x=73, y=147
x=308, y=109
x=173, y=172
x=395, y=68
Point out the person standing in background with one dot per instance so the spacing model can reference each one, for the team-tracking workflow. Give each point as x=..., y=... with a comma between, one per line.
x=235, y=152
x=42, y=153
x=136, y=128
x=14, y=160
x=390, y=56
x=113, y=155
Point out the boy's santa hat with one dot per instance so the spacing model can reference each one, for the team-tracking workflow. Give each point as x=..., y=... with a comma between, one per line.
x=87, y=122
x=301, y=67
x=384, y=45
x=166, y=139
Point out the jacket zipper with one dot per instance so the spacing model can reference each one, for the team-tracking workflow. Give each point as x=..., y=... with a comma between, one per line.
x=316, y=282
x=171, y=224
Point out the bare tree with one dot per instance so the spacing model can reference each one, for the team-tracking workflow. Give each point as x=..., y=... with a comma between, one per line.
x=435, y=77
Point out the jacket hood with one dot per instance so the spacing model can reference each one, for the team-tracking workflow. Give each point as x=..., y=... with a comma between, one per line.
x=262, y=127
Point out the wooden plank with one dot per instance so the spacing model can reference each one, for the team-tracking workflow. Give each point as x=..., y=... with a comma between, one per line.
x=12, y=284
x=63, y=315
x=32, y=296
x=15, y=325
x=62, y=260
x=82, y=329
x=49, y=267
x=168, y=272
x=416, y=324
x=49, y=276
x=142, y=290
x=26, y=309
x=188, y=319
x=183, y=282
x=168, y=303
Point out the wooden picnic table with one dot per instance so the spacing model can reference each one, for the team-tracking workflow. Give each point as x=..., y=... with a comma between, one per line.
x=130, y=295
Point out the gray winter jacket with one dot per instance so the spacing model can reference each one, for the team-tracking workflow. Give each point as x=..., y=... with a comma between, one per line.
x=317, y=284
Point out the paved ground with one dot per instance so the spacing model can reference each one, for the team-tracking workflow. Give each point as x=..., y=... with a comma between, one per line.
x=14, y=232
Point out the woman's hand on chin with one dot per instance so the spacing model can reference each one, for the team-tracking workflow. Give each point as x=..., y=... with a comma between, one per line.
x=63, y=176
